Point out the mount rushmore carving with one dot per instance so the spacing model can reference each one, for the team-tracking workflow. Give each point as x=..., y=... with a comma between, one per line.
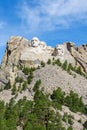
x=31, y=52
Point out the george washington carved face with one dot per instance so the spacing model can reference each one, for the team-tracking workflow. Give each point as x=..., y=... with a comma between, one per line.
x=35, y=42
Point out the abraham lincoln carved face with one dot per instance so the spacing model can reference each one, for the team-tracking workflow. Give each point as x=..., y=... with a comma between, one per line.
x=60, y=50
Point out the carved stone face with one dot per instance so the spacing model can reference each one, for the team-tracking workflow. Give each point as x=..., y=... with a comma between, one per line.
x=35, y=42
x=60, y=50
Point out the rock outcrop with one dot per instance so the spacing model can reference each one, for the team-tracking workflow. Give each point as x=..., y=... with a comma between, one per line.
x=15, y=46
x=31, y=52
x=80, y=56
x=20, y=51
x=76, y=56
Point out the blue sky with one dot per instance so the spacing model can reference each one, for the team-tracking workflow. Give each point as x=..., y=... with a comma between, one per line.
x=52, y=21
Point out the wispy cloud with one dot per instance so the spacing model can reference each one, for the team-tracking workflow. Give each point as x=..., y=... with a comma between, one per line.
x=2, y=24
x=2, y=44
x=52, y=14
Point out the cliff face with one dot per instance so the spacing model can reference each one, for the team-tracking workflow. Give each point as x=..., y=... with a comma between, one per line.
x=15, y=46
x=30, y=53
x=21, y=51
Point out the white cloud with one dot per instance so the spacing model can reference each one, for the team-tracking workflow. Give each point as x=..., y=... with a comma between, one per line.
x=52, y=14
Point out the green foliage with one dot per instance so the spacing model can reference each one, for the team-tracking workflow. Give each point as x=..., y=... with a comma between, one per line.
x=2, y=119
x=30, y=77
x=46, y=116
x=24, y=87
x=69, y=68
x=65, y=117
x=14, y=89
x=38, y=67
x=70, y=128
x=27, y=70
x=19, y=79
x=31, y=115
x=74, y=102
x=49, y=61
x=8, y=85
x=85, y=124
x=38, y=114
x=29, y=126
x=78, y=70
x=11, y=124
x=57, y=62
x=80, y=121
x=53, y=59
x=37, y=84
x=42, y=63
x=65, y=65
x=39, y=97
x=42, y=105
x=70, y=121
x=58, y=97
